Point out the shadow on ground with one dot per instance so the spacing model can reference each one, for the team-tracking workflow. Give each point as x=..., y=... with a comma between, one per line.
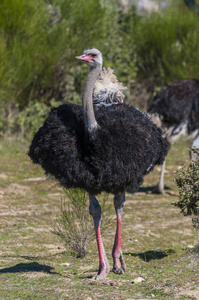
x=147, y=189
x=150, y=190
x=28, y=267
x=151, y=255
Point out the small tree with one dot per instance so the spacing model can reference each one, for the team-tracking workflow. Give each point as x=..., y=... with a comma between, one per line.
x=75, y=225
x=188, y=185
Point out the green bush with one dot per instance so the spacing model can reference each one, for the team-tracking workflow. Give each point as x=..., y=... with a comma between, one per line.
x=32, y=117
x=40, y=39
x=38, y=42
x=188, y=184
x=22, y=48
x=31, y=47
x=167, y=45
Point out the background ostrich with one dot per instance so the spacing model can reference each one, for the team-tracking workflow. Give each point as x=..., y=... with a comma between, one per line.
x=175, y=109
x=99, y=148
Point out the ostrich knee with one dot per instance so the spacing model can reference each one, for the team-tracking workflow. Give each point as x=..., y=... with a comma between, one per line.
x=95, y=209
x=119, y=201
x=159, y=188
x=119, y=265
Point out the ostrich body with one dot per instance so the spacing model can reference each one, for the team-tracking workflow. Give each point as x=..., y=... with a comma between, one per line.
x=175, y=109
x=99, y=148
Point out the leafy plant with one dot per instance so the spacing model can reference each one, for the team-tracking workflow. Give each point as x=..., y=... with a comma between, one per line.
x=39, y=40
x=38, y=43
x=75, y=225
x=32, y=117
x=166, y=45
x=188, y=185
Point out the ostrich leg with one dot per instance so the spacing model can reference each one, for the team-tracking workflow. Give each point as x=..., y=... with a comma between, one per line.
x=119, y=265
x=194, y=144
x=95, y=212
x=159, y=188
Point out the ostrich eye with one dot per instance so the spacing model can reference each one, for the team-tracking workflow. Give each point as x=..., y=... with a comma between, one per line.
x=93, y=54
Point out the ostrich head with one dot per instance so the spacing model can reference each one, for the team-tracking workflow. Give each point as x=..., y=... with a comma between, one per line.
x=92, y=57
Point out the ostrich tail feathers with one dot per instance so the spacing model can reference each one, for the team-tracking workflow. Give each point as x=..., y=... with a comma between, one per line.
x=156, y=119
x=108, y=89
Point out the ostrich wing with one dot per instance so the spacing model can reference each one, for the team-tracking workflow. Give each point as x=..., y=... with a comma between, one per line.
x=108, y=89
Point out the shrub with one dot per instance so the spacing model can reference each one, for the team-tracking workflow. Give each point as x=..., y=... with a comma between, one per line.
x=38, y=42
x=167, y=45
x=188, y=185
x=75, y=225
x=32, y=117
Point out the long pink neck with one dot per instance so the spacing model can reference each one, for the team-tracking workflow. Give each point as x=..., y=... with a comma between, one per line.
x=87, y=98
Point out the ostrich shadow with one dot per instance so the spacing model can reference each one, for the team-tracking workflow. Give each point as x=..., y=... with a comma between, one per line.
x=146, y=189
x=151, y=255
x=28, y=267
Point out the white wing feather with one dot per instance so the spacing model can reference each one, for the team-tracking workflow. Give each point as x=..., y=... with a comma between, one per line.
x=108, y=89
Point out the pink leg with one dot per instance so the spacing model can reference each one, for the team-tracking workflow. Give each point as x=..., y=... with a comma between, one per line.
x=95, y=212
x=119, y=265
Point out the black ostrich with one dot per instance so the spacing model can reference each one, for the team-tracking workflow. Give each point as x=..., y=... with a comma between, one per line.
x=175, y=109
x=99, y=148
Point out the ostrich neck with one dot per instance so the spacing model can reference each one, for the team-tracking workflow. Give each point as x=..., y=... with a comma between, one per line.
x=87, y=98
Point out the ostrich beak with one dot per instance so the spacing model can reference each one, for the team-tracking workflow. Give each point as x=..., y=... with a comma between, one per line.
x=84, y=57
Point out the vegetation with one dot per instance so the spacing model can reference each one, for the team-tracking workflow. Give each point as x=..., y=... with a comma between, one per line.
x=166, y=46
x=39, y=40
x=35, y=264
x=188, y=185
x=75, y=225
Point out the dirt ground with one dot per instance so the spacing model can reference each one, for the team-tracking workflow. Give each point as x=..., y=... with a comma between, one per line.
x=35, y=264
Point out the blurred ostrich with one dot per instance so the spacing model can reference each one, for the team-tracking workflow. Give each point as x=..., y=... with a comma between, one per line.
x=175, y=109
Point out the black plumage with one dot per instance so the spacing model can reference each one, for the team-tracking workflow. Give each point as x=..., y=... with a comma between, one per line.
x=124, y=149
x=178, y=103
x=175, y=109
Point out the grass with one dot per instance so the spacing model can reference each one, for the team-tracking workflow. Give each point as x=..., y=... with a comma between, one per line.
x=34, y=263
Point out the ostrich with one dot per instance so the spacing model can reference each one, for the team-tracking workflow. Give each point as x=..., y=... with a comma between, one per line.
x=175, y=109
x=99, y=148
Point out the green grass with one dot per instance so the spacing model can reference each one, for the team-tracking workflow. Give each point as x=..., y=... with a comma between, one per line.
x=34, y=263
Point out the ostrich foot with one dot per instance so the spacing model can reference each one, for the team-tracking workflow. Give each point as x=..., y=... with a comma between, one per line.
x=119, y=266
x=158, y=189
x=103, y=272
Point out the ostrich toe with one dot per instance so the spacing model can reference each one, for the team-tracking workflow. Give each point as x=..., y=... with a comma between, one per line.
x=119, y=266
x=158, y=189
x=103, y=271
